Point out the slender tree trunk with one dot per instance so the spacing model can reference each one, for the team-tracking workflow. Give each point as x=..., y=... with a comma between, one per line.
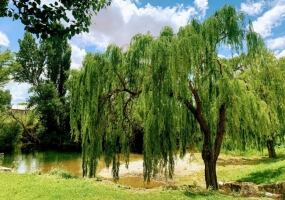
x=210, y=151
x=210, y=154
x=210, y=169
x=271, y=148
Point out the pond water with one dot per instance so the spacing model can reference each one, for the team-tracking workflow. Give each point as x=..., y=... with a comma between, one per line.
x=48, y=160
x=68, y=161
x=43, y=161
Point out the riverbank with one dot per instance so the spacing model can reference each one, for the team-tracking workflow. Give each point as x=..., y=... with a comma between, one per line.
x=45, y=187
x=257, y=169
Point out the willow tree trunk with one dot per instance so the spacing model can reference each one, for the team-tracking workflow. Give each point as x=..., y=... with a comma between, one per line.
x=211, y=150
x=211, y=153
x=210, y=169
x=209, y=158
x=271, y=148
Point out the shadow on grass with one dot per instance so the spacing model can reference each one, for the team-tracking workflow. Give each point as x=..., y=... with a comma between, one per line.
x=249, y=161
x=265, y=176
x=214, y=195
x=194, y=194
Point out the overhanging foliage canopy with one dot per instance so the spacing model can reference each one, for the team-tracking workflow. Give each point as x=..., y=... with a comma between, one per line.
x=45, y=18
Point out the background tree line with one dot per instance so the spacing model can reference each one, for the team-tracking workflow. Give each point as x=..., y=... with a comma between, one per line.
x=9, y=131
x=45, y=66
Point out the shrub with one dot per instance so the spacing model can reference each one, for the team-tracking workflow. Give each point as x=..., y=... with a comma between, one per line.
x=9, y=136
x=61, y=173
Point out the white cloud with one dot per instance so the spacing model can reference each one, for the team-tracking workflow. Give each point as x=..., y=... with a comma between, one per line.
x=4, y=41
x=77, y=56
x=276, y=43
x=19, y=91
x=222, y=56
x=202, y=6
x=252, y=8
x=270, y=19
x=119, y=22
x=280, y=54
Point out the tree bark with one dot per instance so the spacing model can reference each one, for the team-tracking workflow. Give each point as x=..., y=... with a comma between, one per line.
x=220, y=131
x=210, y=151
x=210, y=169
x=270, y=148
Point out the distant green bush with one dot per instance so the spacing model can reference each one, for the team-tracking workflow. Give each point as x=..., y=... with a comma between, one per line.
x=61, y=173
x=9, y=136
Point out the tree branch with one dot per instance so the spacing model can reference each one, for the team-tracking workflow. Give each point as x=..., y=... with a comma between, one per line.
x=221, y=66
x=26, y=130
x=197, y=112
x=196, y=97
x=220, y=131
x=117, y=91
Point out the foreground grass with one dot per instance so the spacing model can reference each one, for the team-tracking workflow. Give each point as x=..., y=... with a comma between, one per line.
x=256, y=169
x=28, y=186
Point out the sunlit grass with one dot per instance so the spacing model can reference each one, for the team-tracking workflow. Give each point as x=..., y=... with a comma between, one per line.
x=257, y=169
x=260, y=170
x=252, y=166
x=44, y=187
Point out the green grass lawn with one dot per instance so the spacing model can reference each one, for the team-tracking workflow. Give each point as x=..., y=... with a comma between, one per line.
x=44, y=187
x=256, y=169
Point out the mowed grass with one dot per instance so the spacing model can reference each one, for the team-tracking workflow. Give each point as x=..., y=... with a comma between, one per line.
x=259, y=170
x=43, y=187
x=251, y=167
x=256, y=169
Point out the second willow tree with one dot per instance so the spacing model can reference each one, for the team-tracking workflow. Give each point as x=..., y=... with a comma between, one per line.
x=265, y=73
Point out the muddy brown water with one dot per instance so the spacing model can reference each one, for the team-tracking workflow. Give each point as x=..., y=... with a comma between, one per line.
x=68, y=161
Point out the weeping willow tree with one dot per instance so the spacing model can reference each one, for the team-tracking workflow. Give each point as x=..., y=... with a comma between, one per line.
x=101, y=95
x=190, y=87
x=176, y=88
x=266, y=76
x=113, y=94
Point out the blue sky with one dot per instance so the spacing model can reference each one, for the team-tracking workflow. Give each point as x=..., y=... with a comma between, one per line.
x=124, y=18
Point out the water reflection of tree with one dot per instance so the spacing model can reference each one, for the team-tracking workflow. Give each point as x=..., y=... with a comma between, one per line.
x=7, y=160
x=42, y=161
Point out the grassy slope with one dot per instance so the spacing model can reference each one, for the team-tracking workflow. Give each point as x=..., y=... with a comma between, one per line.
x=27, y=187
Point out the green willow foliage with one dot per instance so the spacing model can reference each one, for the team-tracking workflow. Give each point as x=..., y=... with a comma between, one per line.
x=6, y=66
x=266, y=77
x=162, y=83
x=96, y=111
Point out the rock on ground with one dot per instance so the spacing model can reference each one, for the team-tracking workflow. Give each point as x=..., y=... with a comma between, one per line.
x=5, y=169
